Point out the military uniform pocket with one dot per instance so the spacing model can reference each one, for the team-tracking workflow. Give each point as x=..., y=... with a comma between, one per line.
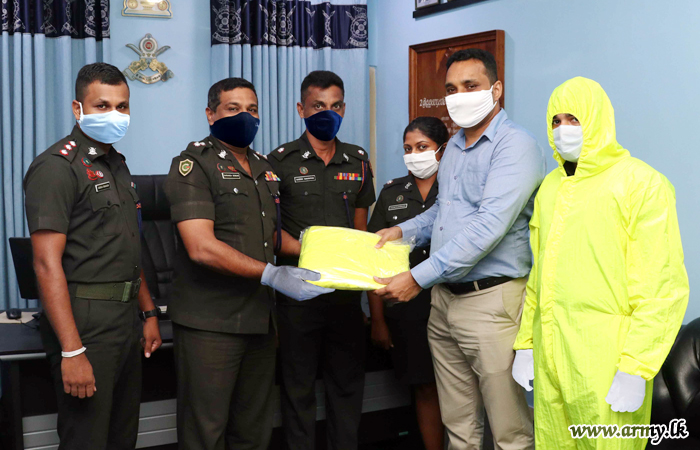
x=105, y=204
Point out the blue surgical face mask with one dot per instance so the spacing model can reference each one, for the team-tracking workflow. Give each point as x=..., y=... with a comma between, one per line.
x=238, y=130
x=106, y=128
x=324, y=125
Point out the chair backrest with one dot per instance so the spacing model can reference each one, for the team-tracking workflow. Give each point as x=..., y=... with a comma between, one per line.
x=21, y=248
x=158, y=240
x=677, y=385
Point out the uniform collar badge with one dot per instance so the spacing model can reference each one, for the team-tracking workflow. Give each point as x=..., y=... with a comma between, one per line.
x=346, y=157
x=92, y=151
x=256, y=156
x=222, y=154
x=306, y=154
x=408, y=185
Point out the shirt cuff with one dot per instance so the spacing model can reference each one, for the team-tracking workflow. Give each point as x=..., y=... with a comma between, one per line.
x=192, y=210
x=425, y=274
x=48, y=223
x=408, y=231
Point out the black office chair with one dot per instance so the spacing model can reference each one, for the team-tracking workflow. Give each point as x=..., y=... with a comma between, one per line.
x=677, y=389
x=158, y=240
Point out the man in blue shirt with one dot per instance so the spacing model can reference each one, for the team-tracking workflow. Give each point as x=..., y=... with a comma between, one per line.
x=479, y=258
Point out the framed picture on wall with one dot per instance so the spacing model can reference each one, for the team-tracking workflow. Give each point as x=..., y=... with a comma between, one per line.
x=425, y=3
x=428, y=66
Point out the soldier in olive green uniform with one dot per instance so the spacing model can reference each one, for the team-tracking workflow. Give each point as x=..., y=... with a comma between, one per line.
x=323, y=182
x=83, y=216
x=224, y=198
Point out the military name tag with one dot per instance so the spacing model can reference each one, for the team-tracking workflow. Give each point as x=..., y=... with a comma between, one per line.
x=305, y=179
x=102, y=186
x=231, y=176
x=401, y=206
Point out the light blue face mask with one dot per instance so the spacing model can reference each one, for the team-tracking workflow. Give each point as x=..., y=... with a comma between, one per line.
x=106, y=128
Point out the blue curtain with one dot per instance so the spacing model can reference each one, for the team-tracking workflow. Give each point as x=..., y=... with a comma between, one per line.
x=276, y=43
x=43, y=45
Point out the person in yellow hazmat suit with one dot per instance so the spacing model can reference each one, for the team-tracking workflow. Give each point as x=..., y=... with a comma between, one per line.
x=608, y=289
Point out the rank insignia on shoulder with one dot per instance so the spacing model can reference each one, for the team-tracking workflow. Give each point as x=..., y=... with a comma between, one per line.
x=92, y=151
x=390, y=181
x=346, y=176
x=68, y=147
x=271, y=176
x=280, y=150
x=64, y=152
x=199, y=144
x=72, y=143
x=361, y=152
x=185, y=167
x=87, y=162
x=222, y=154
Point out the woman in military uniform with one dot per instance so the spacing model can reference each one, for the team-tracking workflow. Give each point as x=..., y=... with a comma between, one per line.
x=402, y=328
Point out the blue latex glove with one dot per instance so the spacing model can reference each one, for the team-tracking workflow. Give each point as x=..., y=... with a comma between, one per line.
x=627, y=392
x=291, y=281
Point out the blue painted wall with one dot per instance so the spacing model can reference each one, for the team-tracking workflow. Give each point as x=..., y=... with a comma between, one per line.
x=644, y=55
x=165, y=116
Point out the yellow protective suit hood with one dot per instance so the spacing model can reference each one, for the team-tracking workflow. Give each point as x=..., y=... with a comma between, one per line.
x=347, y=259
x=608, y=288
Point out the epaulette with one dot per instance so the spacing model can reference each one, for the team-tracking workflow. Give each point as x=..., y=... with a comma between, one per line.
x=199, y=146
x=65, y=148
x=284, y=150
x=356, y=151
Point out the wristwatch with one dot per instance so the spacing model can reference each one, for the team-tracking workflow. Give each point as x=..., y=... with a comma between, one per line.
x=147, y=314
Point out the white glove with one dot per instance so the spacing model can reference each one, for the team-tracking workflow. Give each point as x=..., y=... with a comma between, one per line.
x=292, y=282
x=626, y=393
x=524, y=368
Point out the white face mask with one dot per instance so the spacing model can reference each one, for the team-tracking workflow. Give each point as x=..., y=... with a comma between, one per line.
x=107, y=128
x=568, y=140
x=467, y=109
x=422, y=165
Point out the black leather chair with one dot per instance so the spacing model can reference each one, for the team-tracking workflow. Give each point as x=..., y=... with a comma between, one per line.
x=677, y=389
x=158, y=240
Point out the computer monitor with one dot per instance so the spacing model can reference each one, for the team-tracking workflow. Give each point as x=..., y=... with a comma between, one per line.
x=23, y=259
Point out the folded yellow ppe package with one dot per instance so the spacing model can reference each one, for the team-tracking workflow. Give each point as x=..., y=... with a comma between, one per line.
x=347, y=259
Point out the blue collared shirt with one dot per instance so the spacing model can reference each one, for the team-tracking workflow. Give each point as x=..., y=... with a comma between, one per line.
x=479, y=223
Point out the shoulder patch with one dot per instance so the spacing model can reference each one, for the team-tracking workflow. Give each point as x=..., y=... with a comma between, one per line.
x=185, y=167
